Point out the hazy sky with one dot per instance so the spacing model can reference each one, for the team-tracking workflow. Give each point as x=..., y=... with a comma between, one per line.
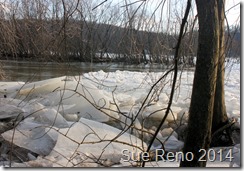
x=232, y=7
x=233, y=15
x=177, y=8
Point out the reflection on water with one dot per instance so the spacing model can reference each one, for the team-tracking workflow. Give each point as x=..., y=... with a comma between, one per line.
x=34, y=71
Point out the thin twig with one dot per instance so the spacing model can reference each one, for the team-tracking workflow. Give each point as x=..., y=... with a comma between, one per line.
x=184, y=21
x=99, y=5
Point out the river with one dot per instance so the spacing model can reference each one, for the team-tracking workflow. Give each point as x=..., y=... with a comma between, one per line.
x=35, y=71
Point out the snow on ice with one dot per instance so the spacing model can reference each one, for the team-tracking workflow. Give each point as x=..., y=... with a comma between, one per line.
x=80, y=120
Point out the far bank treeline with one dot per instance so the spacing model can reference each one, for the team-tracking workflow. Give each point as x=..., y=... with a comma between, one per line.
x=67, y=39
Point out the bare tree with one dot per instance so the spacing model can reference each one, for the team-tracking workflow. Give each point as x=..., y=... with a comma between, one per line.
x=207, y=109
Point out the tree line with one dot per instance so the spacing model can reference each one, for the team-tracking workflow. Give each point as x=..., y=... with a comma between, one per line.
x=64, y=31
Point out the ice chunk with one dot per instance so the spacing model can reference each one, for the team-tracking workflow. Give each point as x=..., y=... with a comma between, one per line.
x=10, y=89
x=164, y=97
x=93, y=140
x=52, y=118
x=32, y=109
x=31, y=136
x=34, y=89
x=168, y=132
x=71, y=117
x=172, y=143
x=10, y=101
x=157, y=111
x=183, y=115
x=126, y=123
x=10, y=111
x=69, y=97
x=89, y=102
x=125, y=100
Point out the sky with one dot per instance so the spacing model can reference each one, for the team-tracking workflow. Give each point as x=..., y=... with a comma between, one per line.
x=177, y=8
x=232, y=7
x=233, y=15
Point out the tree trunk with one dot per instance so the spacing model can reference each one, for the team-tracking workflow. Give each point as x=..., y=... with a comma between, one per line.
x=203, y=92
x=220, y=116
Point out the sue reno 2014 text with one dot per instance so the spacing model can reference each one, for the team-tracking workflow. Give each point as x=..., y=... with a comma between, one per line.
x=210, y=155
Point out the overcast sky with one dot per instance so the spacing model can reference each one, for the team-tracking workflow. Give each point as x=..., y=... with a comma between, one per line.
x=233, y=15
x=232, y=7
x=177, y=8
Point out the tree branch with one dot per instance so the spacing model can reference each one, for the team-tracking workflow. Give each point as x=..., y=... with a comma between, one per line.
x=184, y=21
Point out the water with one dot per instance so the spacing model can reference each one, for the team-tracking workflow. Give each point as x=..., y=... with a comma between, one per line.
x=35, y=71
